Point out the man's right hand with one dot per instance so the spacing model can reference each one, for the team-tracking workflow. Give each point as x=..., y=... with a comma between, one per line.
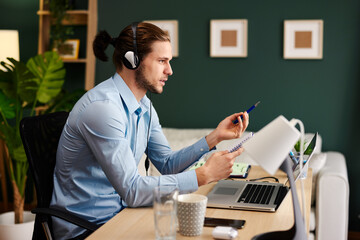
x=217, y=167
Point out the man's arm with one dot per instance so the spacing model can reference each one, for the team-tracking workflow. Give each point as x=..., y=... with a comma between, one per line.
x=167, y=161
x=111, y=148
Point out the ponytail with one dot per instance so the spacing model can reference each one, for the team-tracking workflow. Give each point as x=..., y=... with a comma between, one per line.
x=101, y=42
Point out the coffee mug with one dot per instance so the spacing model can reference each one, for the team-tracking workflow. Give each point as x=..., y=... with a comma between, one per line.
x=191, y=214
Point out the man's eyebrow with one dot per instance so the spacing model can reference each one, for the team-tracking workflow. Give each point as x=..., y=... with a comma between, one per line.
x=165, y=58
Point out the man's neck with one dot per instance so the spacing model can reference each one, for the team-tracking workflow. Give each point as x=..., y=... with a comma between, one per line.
x=129, y=78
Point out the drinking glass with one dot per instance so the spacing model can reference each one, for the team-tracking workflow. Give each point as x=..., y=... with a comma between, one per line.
x=165, y=210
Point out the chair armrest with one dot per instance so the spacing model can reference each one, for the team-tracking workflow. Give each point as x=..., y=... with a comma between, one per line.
x=332, y=199
x=69, y=217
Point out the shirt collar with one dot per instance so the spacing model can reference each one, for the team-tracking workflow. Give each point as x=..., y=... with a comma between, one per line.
x=128, y=96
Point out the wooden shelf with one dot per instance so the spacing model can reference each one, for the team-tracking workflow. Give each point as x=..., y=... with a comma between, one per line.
x=86, y=18
x=80, y=60
x=69, y=12
x=74, y=17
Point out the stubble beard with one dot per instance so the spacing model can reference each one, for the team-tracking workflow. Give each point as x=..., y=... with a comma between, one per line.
x=143, y=82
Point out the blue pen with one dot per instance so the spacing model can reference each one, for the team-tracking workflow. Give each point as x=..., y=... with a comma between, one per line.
x=292, y=156
x=248, y=111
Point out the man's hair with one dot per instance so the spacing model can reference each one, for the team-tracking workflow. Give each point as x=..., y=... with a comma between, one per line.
x=146, y=35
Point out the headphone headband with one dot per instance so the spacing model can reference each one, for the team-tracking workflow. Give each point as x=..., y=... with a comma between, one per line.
x=131, y=59
x=134, y=28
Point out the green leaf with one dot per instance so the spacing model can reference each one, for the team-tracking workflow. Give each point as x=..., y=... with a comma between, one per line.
x=7, y=66
x=27, y=84
x=308, y=151
x=6, y=132
x=19, y=154
x=6, y=80
x=50, y=73
x=7, y=106
x=10, y=137
x=17, y=81
x=297, y=146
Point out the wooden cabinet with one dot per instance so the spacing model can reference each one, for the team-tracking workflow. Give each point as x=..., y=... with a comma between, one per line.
x=88, y=18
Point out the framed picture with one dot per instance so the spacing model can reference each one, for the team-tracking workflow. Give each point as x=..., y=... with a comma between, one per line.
x=69, y=50
x=303, y=39
x=228, y=38
x=171, y=27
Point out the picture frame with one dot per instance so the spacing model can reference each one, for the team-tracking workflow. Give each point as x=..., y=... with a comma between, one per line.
x=303, y=39
x=229, y=38
x=69, y=50
x=171, y=27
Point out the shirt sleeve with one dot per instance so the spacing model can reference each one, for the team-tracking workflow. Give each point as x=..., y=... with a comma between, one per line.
x=107, y=141
x=168, y=161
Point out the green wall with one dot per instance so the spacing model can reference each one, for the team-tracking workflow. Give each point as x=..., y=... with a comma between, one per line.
x=203, y=90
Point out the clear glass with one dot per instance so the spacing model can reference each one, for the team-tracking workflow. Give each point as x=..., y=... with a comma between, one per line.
x=165, y=212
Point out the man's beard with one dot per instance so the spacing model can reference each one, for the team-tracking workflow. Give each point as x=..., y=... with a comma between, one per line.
x=143, y=82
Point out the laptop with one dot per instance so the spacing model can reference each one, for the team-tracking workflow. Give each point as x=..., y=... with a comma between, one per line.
x=256, y=195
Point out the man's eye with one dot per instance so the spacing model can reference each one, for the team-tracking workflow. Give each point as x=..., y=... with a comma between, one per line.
x=161, y=61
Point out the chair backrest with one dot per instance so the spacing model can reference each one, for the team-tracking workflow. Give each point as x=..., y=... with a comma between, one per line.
x=40, y=136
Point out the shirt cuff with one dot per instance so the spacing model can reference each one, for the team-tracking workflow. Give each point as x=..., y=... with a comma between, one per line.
x=202, y=146
x=187, y=181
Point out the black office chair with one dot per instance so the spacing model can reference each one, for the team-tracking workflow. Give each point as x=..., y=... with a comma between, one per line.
x=40, y=136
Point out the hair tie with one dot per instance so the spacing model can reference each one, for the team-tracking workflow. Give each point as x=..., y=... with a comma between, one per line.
x=113, y=41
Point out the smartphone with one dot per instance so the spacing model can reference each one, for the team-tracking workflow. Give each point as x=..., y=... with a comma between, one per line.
x=240, y=170
x=214, y=222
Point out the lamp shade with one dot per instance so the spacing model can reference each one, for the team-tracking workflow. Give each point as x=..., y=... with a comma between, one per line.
x=270, y=146
x=9, y=45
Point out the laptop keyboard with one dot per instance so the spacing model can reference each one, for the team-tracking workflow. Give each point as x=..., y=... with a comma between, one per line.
x=258, y=194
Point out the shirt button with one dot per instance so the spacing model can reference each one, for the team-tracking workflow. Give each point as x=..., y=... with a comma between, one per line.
x=201, y=149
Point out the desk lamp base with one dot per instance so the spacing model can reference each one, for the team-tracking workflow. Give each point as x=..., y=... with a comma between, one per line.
x=297, y=232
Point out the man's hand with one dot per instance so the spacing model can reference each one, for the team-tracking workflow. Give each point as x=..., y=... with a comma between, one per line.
x=228, y=130
x=217, y=167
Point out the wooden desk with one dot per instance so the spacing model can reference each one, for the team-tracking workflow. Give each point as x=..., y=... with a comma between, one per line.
x=138, y=223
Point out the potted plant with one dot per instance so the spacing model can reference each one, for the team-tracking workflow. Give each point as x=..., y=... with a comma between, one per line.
x=24, y=87
x=58, y=32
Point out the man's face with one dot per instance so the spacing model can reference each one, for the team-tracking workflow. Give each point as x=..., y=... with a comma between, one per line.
x=155, y=68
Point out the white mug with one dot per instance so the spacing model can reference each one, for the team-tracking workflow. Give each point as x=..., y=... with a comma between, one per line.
x=191, y=214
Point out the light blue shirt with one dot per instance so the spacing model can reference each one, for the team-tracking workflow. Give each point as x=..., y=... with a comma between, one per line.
x=103, y=140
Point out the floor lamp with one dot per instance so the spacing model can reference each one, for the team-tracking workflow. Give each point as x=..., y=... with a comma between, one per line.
x=9, y=45
x=269, y=147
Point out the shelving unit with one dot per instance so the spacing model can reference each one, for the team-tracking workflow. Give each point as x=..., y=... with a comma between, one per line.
x=76, y=18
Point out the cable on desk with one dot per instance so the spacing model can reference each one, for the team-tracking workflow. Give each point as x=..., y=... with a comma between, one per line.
x=262, y=178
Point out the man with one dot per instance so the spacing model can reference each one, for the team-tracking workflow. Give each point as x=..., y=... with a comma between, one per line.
x=111, y=127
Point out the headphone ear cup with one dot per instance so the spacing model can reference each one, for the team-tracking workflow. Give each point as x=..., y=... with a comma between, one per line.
x=131, y=60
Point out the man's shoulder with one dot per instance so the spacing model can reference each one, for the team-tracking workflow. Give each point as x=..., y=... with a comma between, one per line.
x=103, y=96
x=105, y=90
